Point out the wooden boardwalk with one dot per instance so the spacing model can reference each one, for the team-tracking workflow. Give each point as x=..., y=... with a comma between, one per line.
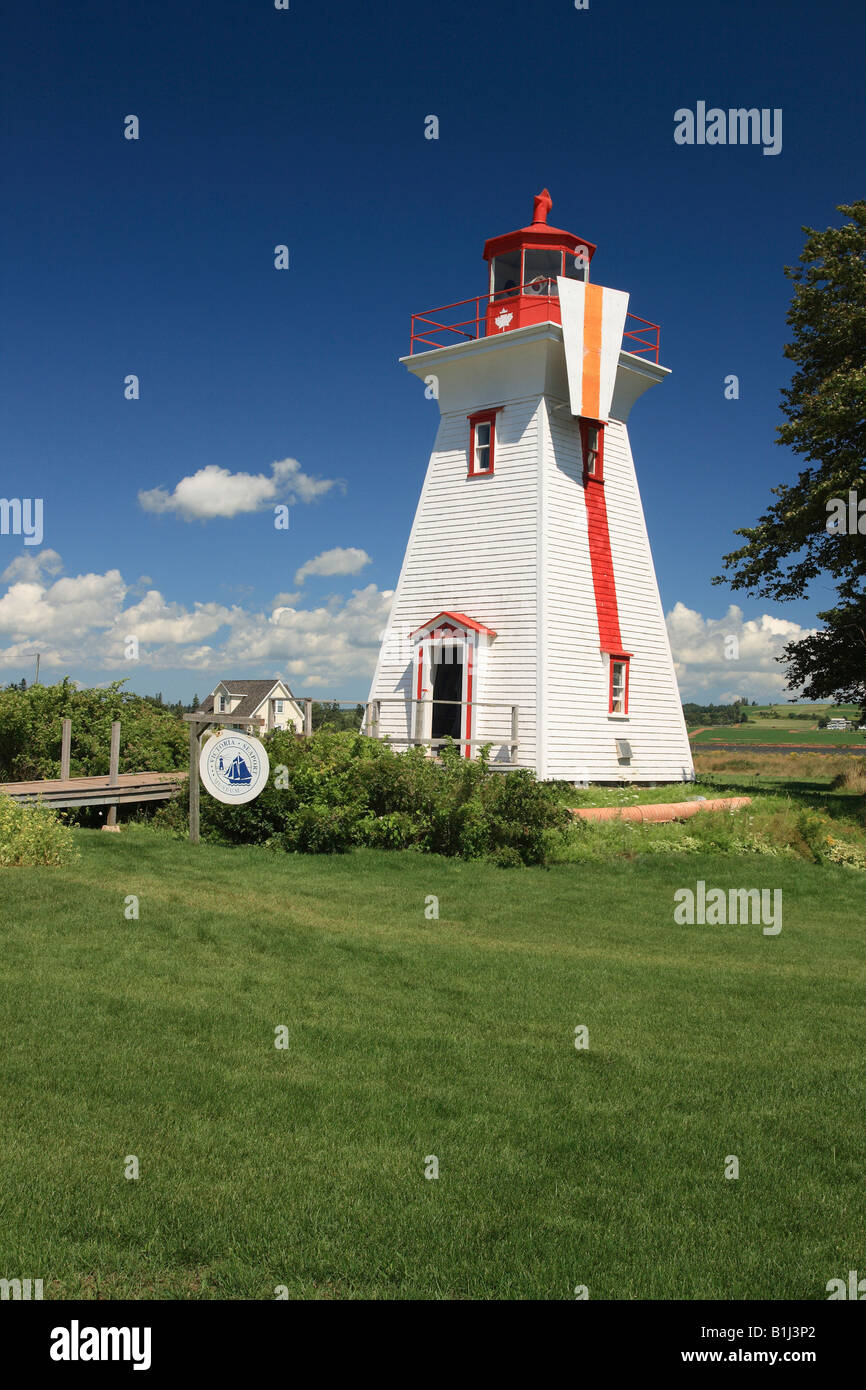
x=125, y=788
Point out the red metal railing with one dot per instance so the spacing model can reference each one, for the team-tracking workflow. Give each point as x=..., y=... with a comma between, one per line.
x=456, y=322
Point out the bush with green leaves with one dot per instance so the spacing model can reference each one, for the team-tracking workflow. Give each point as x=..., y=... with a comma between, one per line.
x=335, y=790
x=152, y=738
x=33, y=834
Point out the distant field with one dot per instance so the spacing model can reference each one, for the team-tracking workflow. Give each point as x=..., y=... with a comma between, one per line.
x=785, y=711
x=771, y=732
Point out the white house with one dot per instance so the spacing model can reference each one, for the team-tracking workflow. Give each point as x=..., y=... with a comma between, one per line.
x=527, y=613
x=243, y=701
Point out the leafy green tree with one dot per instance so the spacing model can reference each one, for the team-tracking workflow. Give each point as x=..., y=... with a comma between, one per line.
x=328, y=714
x=825, y=405
x=152, y=739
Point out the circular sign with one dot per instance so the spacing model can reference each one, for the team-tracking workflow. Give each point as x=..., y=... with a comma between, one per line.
x=234, y=768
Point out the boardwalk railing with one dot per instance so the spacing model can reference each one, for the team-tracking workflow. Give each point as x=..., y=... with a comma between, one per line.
x=115, y=789
x=417, y=718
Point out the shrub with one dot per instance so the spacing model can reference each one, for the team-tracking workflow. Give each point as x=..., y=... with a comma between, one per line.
x=336, y=790
x=152, y=738
x=33, y=834
x=851, y=779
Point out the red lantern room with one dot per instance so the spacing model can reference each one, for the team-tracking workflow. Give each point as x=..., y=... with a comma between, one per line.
x=524, y=266
x=522, y=290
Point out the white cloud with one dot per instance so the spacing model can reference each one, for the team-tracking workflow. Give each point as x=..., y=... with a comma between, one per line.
x=336, y=561
x=704, y=671
x=29, y=566
x=217, y=492
x=63, y=611
x=154, y=620
x=83, y=622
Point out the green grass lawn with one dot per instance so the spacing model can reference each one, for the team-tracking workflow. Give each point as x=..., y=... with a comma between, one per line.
x=410, y=1037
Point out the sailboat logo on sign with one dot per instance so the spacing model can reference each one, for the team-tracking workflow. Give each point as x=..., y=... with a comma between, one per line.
x=234, y=768
x=238, y=773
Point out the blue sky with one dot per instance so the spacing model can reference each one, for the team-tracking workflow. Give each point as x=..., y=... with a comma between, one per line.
x=306, y=127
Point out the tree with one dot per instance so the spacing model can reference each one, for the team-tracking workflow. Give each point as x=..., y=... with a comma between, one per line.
x=825, y=406
x=151, y=739
x=328, y=714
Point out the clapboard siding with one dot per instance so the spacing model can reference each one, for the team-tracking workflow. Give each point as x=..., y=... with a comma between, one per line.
x=473, y=549
x=511, y=551
x=580, y=732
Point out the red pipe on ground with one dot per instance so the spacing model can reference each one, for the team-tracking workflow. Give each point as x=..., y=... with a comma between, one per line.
x=662, y=811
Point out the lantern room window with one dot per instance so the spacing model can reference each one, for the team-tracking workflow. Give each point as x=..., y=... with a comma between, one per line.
x=577, y=264
x=482, y=443
x=540, y=269
x=619, y=685
x=506, y=274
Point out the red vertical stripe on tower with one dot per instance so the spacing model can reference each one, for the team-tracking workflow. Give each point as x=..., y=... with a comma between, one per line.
x=601, y=561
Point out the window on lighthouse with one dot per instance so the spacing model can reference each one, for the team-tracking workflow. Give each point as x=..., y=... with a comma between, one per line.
x=482, y=442
x=591, y=449
x=481, y=462
x=506, y=274
x=540, y=269
x=577, y=264
x=592, y=440
x=619, y=687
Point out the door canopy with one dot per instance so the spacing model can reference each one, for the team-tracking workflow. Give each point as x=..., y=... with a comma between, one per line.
x=446, y=622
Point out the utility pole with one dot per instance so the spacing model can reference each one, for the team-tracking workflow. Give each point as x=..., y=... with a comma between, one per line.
x=36, y=682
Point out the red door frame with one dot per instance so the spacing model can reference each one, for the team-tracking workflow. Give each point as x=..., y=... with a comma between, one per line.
x=424, y=663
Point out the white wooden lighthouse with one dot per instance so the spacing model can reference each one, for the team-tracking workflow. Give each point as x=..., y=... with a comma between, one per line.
x=527, y=613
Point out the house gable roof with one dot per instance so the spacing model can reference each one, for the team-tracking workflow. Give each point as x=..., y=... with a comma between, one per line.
x=251, y=693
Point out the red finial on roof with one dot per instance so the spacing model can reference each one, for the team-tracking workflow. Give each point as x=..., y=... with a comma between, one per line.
x=541, y=207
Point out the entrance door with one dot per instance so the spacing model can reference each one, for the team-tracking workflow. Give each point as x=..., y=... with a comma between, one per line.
x=447, y=685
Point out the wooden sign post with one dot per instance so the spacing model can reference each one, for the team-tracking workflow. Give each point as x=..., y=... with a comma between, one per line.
x=198, y=724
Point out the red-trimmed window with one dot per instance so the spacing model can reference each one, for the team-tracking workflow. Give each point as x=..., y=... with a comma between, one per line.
x=592, y=440
x=482, y=443
x=619, y=684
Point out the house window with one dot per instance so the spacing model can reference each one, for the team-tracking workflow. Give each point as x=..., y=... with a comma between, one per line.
x=223, y=705
x=278, y=706
x=592, y=440
x=619, y=685
x=482, y=443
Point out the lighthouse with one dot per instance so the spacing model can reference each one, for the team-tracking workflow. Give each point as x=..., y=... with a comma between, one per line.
x=527, y=614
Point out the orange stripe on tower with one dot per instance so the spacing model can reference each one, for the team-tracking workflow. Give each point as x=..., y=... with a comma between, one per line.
x=593, y=299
